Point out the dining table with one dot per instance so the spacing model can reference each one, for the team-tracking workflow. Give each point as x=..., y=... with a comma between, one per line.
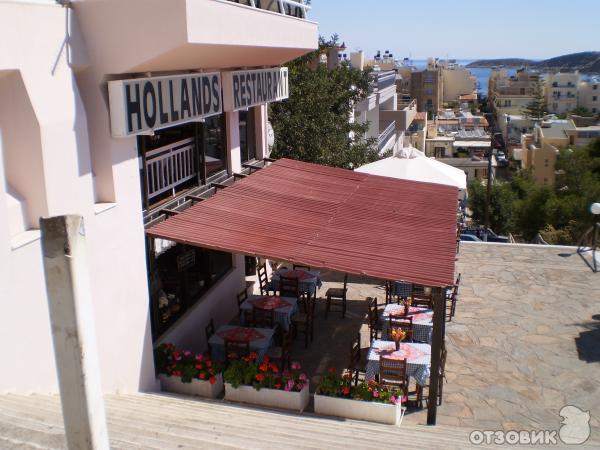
x=260, y=339
x=418, y=358
x=283, y=308
x=422, y=320
x=309, y=281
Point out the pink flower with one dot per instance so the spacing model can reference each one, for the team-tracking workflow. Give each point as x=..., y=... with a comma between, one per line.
x=302, y=377
x=176, y=356
x=199, y=357
x=393, y=399
x=375, y=393
x=187, y=353
x=296, y=366
x=288, y=388
x=290, y=385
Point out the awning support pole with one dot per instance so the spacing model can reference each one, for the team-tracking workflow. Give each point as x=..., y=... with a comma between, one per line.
x=437, y=341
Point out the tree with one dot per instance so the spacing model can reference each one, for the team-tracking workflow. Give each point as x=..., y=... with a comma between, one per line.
x=502, y=211
x=536, y=108
x=314, y=123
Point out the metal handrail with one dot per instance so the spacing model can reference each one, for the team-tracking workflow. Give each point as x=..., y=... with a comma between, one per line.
x=384, y=137
x=284, y=6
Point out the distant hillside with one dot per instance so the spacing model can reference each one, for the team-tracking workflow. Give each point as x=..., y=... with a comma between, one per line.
x=587, y=62
x=504, y=62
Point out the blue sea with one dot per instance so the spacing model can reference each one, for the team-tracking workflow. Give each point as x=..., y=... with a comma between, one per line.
x=482, y=74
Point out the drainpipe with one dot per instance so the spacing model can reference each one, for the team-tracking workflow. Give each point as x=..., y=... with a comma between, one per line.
x=73, y=334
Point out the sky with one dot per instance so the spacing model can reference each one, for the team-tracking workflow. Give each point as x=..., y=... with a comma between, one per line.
x=462, y=29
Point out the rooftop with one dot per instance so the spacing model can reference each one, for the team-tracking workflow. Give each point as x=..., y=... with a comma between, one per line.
x=557, y=128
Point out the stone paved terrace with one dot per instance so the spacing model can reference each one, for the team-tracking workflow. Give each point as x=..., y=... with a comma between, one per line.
x=524, y=343
x=526, y=338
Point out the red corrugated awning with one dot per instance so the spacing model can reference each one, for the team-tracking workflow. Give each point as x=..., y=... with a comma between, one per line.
x=329, y=218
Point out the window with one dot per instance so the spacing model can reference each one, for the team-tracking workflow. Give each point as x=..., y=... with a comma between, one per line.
x=595, y=87
x=546, y=162
x=439, y=152
x=178, y=279
x=428, y=91
x=595, y=98
x=247, y=140
x=214, y=145
x=594, y=110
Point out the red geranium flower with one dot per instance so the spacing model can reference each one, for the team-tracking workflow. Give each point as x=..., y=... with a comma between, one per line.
x=202, y=375
x=253, y=356
x=259, y=377
x=212, y=380
x=274, y=368
x=345, y=390
x=266, y=359
x=199, y=366
x=263, y=367
x=278, y=386
x=331, y=370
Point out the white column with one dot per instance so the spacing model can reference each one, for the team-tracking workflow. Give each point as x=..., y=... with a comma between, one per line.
x=234, y=157
x=260, y=124
x=73, y=333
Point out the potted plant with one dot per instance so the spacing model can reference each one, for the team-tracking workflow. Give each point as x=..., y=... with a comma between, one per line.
x=184, y=372
x=263, y=383
x=370, y=401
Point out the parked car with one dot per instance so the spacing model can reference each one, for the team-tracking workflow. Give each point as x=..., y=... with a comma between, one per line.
x=480, y=231
x=469, y=238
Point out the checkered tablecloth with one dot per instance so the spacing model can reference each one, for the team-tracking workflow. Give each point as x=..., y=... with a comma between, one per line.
x=260, y=339
x=422, y=321
x=308, y=281
x=418, y=358
x=402, y=289
x=285, y=308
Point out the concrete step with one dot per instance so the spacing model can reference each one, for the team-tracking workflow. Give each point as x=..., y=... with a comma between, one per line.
x=164, y=421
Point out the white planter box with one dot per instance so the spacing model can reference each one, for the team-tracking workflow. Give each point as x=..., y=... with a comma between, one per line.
x=357, y=409
x=272, y=398
x=197, y=387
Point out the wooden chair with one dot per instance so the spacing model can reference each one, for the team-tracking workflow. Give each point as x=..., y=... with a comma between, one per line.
x=393, y=373
x=356, y=366
x=420, y=298
x=263, y=279
x=442, y=375
x=373, y=317
x=301, y=267
x=262, y=318
x=337, y=294
x=235, y=349
x=403, y=323
x=282, y=353
x=241, y=298
x=209, y=330
x=451, y=298
x=304, y=322
x=288, y=287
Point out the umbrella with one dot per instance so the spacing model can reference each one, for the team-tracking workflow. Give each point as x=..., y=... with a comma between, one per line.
x=412, y=164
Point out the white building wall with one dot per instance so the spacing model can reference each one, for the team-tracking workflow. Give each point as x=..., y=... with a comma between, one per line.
x=589, y=95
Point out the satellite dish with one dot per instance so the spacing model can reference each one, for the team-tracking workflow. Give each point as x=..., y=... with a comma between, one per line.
x=270, y=136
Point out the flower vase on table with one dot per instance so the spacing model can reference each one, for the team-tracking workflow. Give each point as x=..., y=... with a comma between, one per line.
x=398, y=335
x=407, y=304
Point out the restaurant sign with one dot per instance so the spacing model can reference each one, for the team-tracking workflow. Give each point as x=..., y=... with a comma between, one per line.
x=141, y=105
x=245, y=88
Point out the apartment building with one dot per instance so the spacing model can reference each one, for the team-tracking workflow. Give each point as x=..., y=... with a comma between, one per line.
x=459, y=83
x=387, y=112
x=588, y=95
x=511, y=94
x=561, y=91
x=126, y=113
x=427, y=88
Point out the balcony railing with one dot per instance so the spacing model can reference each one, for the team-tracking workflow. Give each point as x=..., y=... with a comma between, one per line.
x=407, y=104
x=385, y=135
x=384, y=79
x=169, y=167
x=292, y=8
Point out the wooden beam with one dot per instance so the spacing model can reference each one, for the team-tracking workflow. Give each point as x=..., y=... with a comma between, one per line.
x=169, y=212
x=251, y=167
x=437, y=341
x=267, y=159
x=219, y=186
x=194, y=198
x=241, y=176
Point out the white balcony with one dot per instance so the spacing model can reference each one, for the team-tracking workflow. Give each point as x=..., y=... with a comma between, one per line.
x=166, y=35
